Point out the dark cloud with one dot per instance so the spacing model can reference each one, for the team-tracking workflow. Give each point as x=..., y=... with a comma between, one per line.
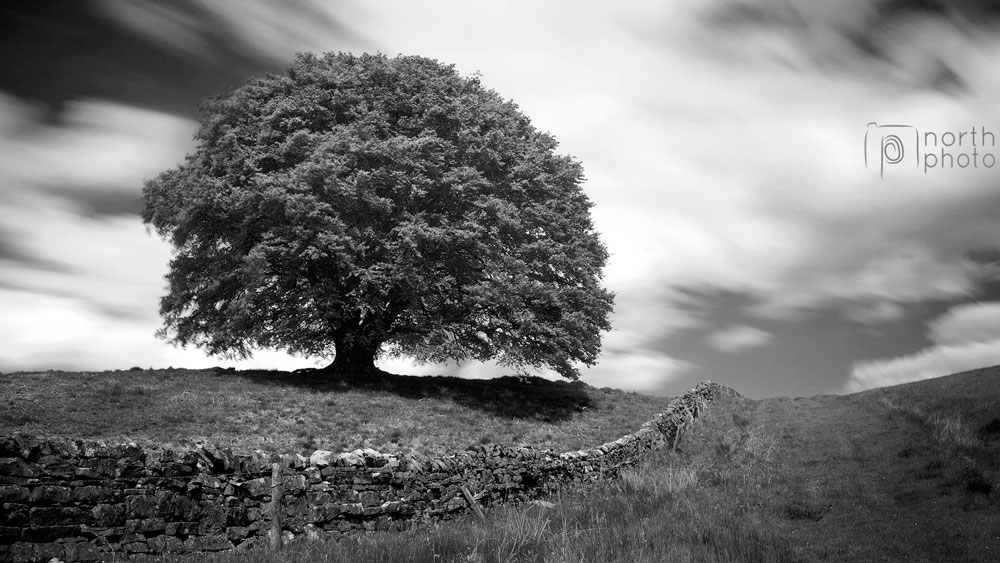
x=807, y=355
x=57, y=51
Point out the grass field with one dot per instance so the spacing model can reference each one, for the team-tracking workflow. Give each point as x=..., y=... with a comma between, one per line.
x=909, y=473
x=868, y=478
x=299, y=413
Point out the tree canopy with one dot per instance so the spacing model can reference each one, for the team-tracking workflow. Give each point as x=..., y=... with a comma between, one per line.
x=352, y=206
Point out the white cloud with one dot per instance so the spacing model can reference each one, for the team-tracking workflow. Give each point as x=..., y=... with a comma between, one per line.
x=100, y=145
x=965, y=337
x=737, y=338
x=706, y=173
x=935, y=361
x=875, y=313
x=968, y=323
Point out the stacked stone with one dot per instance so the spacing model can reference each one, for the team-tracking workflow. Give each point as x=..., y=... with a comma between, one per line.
x=87, y=501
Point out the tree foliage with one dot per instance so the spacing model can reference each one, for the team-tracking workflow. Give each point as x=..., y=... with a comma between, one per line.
x=358, y=205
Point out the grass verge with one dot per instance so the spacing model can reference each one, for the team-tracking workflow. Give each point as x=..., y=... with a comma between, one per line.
x=287, y=412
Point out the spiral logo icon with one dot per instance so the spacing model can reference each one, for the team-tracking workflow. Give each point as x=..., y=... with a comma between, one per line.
x=890, y=145
x=892, y=149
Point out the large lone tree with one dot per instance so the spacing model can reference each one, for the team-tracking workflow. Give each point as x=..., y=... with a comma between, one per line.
x=357, y=205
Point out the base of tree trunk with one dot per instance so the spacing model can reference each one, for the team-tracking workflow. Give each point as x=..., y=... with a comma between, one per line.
x=353, y=362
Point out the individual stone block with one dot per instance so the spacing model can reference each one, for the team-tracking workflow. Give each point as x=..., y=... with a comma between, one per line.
x=42, y=534
x=180, y=528
x=350, y=459
x=57, y=515
x=81, y=551
x=9, y=535
x=108, y=515
x=143, y=526
x=92, y=494
x=215, y=542
x=13, y=493
x=212, y=520
x=258, y=488
x=236, y=534
x=16, y=467
x=12, y=514
x=50, y=494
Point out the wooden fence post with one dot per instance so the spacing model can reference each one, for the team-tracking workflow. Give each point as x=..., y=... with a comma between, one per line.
x=473, y=503
x=277, y=490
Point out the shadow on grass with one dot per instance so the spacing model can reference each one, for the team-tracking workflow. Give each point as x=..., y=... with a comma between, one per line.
x=531, y=398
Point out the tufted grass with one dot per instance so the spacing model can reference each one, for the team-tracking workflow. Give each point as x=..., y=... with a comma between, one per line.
x=830, y=478
x=288, y=412
x=667, y=509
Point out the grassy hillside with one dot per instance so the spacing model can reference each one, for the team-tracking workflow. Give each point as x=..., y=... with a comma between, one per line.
x=869, y=477
x=288, y=412
x=909, y=473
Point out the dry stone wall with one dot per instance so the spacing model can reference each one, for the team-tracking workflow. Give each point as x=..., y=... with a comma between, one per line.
x=87, y=501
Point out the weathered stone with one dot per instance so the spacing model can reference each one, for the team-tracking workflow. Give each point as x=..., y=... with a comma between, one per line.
x=216, y=459
x=146, y=525
x=127, y=469
x=236, y=511
x=27, y=446
x=296, y=506
x=109, y=515
x=57, y=467
x=18, y=467
x=350, y=459
x=140, y=506
x=323, y=512
x=104, y=532
x=362, y=485
x=370, y=498
x=176, y=506
x=99, y=467
x=57, y=515
x=206, y=481
x=166, y=544
x=208, y=543
x=50, y=494
x=23, y=552
x=139, y=546
x=354, y=508
x=180, y=528
x=92, y=494
x=294, y=483
x=236, y=534
x=258, y=487
x=9, y=535
x=49, y=533
x=13, y=493
x=12, y=514
x=81, y=551
x=9, y=447
x=212, y=520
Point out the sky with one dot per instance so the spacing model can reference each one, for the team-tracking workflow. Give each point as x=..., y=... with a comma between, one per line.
x=798, y=197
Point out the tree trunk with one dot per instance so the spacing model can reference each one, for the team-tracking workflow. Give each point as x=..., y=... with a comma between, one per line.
x=352, y=360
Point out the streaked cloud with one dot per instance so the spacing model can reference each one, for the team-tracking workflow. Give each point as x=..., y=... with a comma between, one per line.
x=965, y=337
x=723, y=144
x=737, y=338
